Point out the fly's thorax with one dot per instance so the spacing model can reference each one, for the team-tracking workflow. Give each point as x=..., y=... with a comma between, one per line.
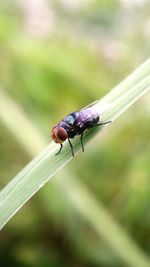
x=71, y=118
x=65, y=125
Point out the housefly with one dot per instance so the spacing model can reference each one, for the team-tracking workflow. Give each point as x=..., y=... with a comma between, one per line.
x=74, y=124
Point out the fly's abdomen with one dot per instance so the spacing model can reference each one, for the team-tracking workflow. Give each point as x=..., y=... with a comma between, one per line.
x=88, y=118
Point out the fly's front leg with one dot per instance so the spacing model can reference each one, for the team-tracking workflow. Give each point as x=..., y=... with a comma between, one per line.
x=61, y=146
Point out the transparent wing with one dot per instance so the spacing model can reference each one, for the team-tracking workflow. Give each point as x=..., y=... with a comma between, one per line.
x=98, y=106
x=91, y=105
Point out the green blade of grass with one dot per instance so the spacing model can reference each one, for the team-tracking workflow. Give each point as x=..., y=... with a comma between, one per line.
x=76, y=192
x=46, y=164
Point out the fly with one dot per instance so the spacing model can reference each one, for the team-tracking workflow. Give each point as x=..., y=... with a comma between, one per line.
x=75, y=124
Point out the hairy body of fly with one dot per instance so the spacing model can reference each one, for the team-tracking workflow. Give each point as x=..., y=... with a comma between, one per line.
x=77, y=122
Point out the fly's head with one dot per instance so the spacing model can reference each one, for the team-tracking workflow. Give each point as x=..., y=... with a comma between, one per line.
x=59, y=134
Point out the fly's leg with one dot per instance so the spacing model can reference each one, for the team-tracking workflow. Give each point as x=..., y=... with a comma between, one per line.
x=61, y=146
x=89, y=125
x=98, y=124
x=71, y=146
x=82, y=142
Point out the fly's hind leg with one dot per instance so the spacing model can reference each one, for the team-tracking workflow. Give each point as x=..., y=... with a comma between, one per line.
x=82, y=145
x=98, y=124
x=61, y=146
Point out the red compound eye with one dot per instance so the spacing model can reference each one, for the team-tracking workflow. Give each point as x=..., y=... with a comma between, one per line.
x=59, y=134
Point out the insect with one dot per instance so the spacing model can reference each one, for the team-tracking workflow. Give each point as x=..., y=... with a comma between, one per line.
x=74, y=124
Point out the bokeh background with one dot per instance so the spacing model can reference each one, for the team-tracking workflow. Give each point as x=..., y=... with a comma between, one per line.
x=57, y=56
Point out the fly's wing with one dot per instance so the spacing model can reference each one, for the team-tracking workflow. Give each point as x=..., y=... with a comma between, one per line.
x=98, y=106
x=91, y=113
x=83, y=109
x=102, y=107
x=91, y=105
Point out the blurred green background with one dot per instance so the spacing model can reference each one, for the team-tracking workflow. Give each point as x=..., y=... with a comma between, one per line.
x=57, y=56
